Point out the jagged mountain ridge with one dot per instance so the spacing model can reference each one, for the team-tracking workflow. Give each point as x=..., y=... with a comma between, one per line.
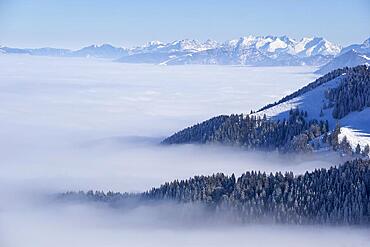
x=265, y=50
x=250, y=50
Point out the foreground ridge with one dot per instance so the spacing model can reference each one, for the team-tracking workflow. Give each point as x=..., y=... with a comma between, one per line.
x=338, y=195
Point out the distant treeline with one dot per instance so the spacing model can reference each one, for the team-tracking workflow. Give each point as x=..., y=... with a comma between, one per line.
x=339, y=195
x=292, y=134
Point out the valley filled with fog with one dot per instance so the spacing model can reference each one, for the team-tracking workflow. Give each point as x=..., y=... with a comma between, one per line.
x=81, y=124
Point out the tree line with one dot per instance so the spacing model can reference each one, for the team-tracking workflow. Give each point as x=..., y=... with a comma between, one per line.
x=288, y=135
x=338, y=195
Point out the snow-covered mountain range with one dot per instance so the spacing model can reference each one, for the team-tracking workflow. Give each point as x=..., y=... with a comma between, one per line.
x=349, y=56
x=250, y=50
x=265, y=51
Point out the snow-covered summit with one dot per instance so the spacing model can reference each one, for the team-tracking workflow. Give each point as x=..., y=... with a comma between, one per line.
x=184, y=45
x=265, y=51
x=304, y=47
x=315, y=46
x=100, y=51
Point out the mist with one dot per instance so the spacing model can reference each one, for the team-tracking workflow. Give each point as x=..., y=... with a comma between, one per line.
x=80, y=124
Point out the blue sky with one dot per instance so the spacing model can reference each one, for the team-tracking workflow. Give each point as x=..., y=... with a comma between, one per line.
x=76, y=23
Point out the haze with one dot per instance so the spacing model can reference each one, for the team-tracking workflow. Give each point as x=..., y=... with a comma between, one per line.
x=79, y=124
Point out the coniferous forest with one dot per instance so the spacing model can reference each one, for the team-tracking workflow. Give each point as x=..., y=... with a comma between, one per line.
x=339, y=195
x=288, y=135
x=184, y=123
x=299, y=132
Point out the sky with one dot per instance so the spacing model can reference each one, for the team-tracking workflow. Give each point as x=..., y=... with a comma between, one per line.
x=77, y=23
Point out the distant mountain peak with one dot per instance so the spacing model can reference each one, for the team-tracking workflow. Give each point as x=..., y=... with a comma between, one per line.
x=349, y=56
x=252, y=50
x=366, y=43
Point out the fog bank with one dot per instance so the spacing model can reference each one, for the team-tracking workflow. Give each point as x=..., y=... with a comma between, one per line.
x=80, y=124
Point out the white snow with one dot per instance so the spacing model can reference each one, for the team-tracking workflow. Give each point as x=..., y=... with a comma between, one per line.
x=356, y=125
x=277, y=44
x=311, y=102
x=366, y=57
x=313, y=46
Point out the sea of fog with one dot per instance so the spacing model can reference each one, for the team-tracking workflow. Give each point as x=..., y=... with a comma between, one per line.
x=80, y=124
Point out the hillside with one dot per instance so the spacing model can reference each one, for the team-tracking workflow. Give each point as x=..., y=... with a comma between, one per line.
x=351, y=58
x=299, y=122
x=339, y=195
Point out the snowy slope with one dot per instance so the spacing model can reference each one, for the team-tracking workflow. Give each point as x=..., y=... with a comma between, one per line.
x=316, y=46
x=312, y=102
x=356, y=125
x=351, y=58
x=360, y=48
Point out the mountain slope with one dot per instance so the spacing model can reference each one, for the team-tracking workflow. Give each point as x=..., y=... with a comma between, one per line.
x=156, y=52
x=102, y=51
x=319, y=105
x=349, y=59
x=350, y=56
x=360, y=48
x=302, y=118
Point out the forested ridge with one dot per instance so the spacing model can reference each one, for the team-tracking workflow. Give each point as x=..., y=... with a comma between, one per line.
x=292, y=134
x=353, y=93
x=338, y=195
x=299, y=132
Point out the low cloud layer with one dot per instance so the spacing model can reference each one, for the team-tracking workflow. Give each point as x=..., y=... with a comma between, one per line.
x=87, y=225
x=80, y=124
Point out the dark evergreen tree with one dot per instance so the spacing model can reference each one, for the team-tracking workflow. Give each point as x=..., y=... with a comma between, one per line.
x=366, y=151
x=345, y=146
x=358, y=149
